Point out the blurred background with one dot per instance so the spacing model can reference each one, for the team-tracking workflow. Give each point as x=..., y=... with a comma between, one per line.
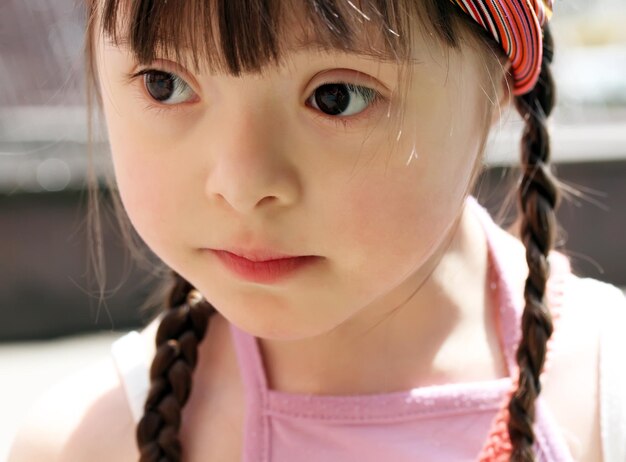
x=53, y=320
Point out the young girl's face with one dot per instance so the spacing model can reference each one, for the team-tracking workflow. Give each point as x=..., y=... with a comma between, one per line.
x=293, y=162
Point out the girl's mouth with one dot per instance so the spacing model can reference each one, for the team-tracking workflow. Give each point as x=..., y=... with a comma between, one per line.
x=263, y=271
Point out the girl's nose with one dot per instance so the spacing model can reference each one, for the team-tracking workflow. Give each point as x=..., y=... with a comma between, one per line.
x=250, y=167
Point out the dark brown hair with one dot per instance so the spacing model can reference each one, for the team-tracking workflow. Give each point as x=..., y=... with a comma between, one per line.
x=243, y=36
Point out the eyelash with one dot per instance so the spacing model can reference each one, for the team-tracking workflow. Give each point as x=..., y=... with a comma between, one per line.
x=149, y=103
x=377, y=98
x=347, y=122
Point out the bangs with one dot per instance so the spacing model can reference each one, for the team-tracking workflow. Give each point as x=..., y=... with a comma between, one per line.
x=244, y=36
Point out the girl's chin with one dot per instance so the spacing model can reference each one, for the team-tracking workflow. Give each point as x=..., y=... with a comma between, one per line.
x=271, y=314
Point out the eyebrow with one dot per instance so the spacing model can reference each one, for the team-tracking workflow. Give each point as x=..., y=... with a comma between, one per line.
x=319, y=46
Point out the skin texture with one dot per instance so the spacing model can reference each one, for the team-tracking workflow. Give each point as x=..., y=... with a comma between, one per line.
x=248, y=163
x=403, y=276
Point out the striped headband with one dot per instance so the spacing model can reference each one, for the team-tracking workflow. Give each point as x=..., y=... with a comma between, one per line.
x=516, y=26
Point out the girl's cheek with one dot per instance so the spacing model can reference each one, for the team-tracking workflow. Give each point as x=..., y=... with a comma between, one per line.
x=140, y=177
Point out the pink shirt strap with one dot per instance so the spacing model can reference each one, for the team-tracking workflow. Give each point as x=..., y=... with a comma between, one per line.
x=255, y=385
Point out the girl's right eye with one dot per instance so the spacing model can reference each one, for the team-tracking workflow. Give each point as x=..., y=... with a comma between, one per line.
x=166, y=87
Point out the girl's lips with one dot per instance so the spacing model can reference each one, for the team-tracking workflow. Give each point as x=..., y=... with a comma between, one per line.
x=266, y=271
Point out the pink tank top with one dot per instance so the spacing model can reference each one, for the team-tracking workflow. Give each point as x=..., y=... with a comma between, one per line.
x=452, y=422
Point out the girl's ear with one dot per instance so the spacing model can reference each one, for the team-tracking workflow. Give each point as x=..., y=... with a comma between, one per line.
x=504, y=92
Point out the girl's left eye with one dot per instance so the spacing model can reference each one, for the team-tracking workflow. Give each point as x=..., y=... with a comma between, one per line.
x=343, y=99
x=165, y=87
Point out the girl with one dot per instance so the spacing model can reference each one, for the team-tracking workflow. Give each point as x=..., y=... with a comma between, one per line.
x=305, y=168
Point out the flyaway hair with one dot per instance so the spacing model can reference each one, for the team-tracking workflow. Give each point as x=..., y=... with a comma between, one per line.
x=245, y=36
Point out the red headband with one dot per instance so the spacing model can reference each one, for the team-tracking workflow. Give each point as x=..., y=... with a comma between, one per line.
x=516, y=26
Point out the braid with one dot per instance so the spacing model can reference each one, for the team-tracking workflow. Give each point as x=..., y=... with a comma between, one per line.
x=538, y=198
x=183, y=326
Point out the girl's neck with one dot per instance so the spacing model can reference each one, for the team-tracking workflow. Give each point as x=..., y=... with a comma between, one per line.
x=443, y=333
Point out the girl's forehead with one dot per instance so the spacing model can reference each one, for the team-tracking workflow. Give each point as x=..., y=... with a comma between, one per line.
x=235, y=36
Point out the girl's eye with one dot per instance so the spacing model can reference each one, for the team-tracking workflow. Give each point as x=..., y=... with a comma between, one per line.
x=342, y=99
x=166, y=88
